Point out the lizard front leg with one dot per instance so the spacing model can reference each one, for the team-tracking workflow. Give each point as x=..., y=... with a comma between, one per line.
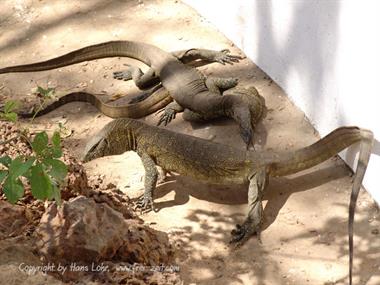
x=190, y=55
x=169, y=113
x=252, y=223
x=145, y=203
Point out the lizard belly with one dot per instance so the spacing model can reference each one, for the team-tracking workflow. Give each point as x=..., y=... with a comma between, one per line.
x=205, y=173
x=206, y=170
x=195, y=157
x=182, y=82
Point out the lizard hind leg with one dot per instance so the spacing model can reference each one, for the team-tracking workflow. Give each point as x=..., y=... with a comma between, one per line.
x=194, y=117
x=252, y=223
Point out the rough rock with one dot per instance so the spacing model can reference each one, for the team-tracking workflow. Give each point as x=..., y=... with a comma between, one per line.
x=76, y=179
x=12, y=219
x=82, y=230
x=18, y=264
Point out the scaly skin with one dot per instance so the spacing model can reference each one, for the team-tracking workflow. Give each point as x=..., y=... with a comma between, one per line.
x=185, y=84
x=217, y=163
x=155, y=99
x=158, y=100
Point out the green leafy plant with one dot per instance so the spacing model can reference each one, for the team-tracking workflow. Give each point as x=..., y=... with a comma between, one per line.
x=44, y=171
x=8, y=113
x=44, y=94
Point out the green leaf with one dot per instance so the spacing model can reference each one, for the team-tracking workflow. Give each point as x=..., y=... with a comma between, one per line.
x=56, y=195
x=57, y=169
x=12, y=117
x=40, y=143
x=56, y=149
x=41, y=184
x=13, y=189
x=45, y=92
x=5, y=160
x=3, y=174
x=41, y=90
x=28, y=174
x=56, y=139
x=10, y=106
x=56, y=152
x=19, y=167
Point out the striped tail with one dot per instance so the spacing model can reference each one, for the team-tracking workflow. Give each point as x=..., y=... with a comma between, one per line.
x=304, y=158
x=157, y=99
x=364, y=155
x=68, y=98
x=330, y=145
x=136, y=50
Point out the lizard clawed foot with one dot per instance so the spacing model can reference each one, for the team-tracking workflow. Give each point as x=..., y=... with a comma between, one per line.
x=237, y=234
x=144, y=204
x=123, y=75
x=167, y=116
x=243, y=232
x=224, y=57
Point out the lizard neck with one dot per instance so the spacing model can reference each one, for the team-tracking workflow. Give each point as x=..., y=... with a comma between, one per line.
x=126, y=139
x=131, y=139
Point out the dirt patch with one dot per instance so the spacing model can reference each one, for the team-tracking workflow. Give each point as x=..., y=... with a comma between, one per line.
x=93, y=235
x=304, y=240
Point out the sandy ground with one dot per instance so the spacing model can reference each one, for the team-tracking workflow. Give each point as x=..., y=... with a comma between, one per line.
x=304, y=238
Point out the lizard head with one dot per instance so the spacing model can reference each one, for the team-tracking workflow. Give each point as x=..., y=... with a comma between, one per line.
x=97, y=147
x=115, y=138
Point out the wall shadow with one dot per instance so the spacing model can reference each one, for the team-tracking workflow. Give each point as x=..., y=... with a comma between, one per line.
x=315, y=58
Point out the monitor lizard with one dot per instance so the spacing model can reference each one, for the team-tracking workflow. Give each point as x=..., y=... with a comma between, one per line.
x=156, y=99
x=186, y=85
x=218, y=163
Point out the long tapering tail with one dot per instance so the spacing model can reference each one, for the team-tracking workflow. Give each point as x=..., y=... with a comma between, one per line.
x=139, y=51
x=304, y=158
x=330, y=145
x=364, y=155
x=151, y=104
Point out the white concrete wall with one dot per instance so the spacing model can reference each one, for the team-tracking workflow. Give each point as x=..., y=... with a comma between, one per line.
x=324, y=54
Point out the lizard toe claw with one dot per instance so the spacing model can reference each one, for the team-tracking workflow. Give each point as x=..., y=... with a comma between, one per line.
x=122, y=75
x=224, y=57
x=167, y=117
x=144, y=204
x=243, y=232
x=237, y=234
